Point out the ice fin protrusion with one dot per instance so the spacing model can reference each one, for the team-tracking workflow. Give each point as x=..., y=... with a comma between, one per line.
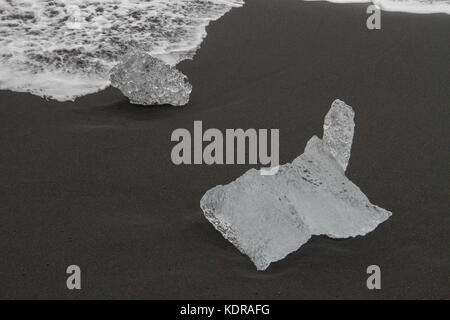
x=338, y=130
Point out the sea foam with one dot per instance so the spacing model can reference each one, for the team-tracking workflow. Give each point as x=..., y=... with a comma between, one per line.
x=63, y=49
x=410, y=6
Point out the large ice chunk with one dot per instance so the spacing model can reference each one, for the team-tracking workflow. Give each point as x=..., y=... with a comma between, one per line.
x=268, y=217
x=147, y=80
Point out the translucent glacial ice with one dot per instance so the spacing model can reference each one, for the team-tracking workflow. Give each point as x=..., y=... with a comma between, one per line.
x=338, y=130
x=147, y=80
x=268, y=217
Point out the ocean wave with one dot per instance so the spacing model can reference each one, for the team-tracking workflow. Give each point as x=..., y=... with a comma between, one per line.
x=410, y=6
x=63, y=49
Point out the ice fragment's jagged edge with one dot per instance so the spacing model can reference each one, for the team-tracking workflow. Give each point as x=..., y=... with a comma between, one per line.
x=268, y=217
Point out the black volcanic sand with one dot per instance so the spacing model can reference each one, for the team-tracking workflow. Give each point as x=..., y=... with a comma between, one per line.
x=92, y=183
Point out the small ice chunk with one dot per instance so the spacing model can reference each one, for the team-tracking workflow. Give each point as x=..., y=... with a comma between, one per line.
x=338, y=129
x=268, y=217
x=147, y=80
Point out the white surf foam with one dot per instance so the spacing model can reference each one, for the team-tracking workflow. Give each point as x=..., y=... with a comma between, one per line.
x=410, y=6
x=63, y=49
x=414, y=6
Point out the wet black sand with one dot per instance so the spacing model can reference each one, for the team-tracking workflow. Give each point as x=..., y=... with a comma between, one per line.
x=91, y=183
